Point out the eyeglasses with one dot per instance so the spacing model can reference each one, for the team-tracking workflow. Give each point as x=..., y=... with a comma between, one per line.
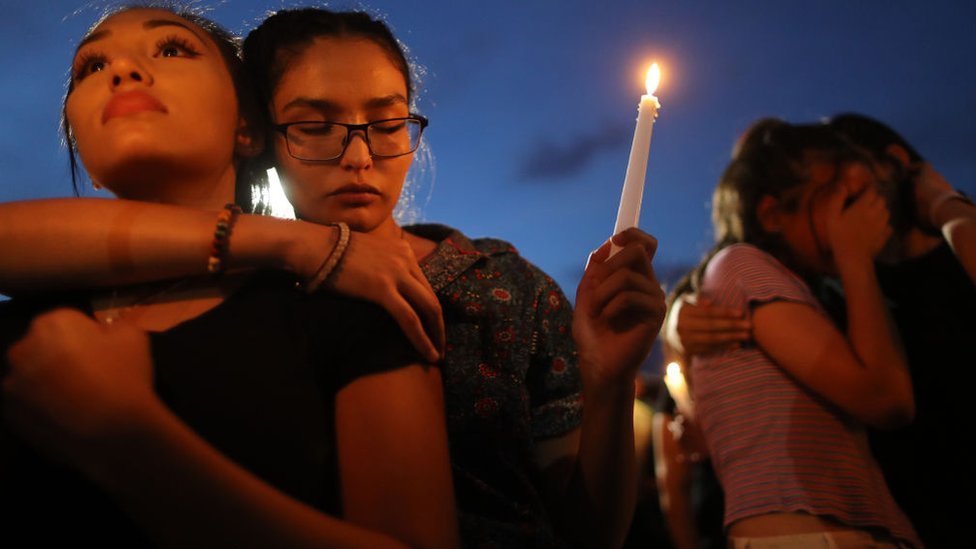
x=323, y=141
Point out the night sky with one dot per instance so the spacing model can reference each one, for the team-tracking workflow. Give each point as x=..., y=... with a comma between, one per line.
x=532, y=104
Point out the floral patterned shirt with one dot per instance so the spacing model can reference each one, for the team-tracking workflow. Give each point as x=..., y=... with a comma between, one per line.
x=511, y=379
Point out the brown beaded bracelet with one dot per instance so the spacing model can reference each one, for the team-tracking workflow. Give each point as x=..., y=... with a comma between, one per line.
x=332, y=260
x=221, y=238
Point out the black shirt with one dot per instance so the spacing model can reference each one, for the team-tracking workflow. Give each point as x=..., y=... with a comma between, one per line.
x=255, y=376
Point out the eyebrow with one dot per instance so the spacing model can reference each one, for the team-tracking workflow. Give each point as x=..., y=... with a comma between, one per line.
x=148, y=25
x=386, y=101
x=93, y=37
x=317, y=104
x=326, y=105
x=156, y=23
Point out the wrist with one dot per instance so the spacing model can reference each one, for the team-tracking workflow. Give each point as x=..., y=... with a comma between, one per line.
x=942, y=207
x=103, y=455
x=604, y=389
x=264, y=242
x=332, y=260
x=854, y=264
x=308, y=248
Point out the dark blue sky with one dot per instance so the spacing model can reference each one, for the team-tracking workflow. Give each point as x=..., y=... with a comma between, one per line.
x=532, y=104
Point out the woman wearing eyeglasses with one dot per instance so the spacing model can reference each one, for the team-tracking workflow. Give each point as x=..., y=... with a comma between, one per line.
x=212, y=411
x=517, y=428
x=532, y=466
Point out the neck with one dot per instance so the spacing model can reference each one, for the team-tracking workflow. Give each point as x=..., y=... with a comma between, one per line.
x=390, y=229
x=206, y=191
x=387, y=229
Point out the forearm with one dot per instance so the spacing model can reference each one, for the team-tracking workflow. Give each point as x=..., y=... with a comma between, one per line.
x=602, y=491
x=957, y=220
x=674, y=486
x=620, y=308
x=669, y=330
x=874, y=340
x=80, y=243
x=185, y=493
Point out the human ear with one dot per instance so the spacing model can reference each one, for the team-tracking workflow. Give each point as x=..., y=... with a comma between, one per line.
x=900, y=154
x=768, y=213
x=248, y=142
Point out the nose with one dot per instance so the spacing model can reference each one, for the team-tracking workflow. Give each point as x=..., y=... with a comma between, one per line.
x=126, y=69
x=357, y=155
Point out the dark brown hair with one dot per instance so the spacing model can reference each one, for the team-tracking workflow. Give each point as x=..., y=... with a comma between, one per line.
x=229, y=46
x=769, y=159
x=269, y=48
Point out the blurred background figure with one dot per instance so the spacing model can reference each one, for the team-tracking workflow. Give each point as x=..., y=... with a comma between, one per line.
x=926, y=275
x=782, y=414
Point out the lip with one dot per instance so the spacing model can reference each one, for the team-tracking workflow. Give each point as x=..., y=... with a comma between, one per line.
x=355, y=195
x=131, y=102
x=355, y=188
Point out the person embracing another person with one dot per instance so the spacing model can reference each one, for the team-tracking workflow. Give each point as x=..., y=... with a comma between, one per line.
x=784, y=414
x=538, y=397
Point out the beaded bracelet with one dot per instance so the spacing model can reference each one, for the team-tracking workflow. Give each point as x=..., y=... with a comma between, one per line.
x=332, y=260
x=221, y=238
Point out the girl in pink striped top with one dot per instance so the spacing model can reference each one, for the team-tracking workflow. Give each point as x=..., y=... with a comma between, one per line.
x=784, y=416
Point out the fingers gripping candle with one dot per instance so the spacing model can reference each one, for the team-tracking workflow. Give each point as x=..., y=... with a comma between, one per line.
x=630, y=199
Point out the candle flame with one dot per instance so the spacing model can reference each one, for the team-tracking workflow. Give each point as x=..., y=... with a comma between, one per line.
x=653, y=78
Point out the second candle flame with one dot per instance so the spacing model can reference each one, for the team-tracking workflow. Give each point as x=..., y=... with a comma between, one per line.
x=653, y=78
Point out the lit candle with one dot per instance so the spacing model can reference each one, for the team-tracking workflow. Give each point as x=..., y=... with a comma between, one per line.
x=674, y=379
x=630, y=199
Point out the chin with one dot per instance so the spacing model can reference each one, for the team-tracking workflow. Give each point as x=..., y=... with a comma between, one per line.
x=358, y=219
x=365, y=223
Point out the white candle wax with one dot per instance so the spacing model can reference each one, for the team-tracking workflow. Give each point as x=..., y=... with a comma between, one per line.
x=628, y=214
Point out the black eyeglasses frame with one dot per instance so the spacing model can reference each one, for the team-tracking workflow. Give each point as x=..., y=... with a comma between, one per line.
x=350, y=128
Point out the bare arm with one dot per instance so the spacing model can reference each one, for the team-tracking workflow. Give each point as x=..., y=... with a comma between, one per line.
x=76, y=243
x=672, y=468
x=958, y=222
x=393, y=457
x=592, y=471
x=83, y=391
x=942, y=208
x=73, y=243
x=865, y=374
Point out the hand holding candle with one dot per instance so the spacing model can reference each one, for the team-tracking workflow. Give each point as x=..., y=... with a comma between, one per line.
x=630, y=199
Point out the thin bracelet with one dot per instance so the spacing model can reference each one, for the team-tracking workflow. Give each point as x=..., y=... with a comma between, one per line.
x=941, y=200
x=332, y=260
x=221, y=238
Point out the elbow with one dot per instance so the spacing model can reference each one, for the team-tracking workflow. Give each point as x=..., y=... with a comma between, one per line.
x=893, y=411
x=894, y=418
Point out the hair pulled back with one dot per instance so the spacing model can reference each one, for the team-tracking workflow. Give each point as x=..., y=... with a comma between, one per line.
x=270, y=48
x=229, y=46
x=769, y=159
